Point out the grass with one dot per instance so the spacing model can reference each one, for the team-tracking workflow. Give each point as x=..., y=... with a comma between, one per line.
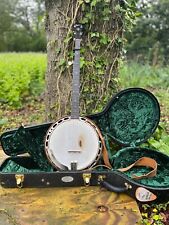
x=22, y=80
x=21, y=76
x=146, y=76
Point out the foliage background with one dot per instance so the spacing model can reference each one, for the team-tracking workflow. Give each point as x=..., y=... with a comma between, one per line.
x=149, y=40
x=22, y=25
x=22, y=28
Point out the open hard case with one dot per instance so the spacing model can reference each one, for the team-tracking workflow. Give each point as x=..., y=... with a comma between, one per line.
x=129, y=119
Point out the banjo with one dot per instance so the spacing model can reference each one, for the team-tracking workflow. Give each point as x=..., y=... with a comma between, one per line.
x=74, y=143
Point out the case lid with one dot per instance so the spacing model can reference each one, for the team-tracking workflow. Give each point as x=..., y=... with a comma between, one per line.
x=12, y=141
x=131, y=116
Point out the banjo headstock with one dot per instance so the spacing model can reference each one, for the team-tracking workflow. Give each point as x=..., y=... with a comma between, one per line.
x=77, y=31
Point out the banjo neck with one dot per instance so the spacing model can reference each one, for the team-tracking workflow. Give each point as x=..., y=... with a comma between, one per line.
x=75, y=112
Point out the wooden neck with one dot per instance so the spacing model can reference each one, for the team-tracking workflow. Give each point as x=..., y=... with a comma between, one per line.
x=76, y=82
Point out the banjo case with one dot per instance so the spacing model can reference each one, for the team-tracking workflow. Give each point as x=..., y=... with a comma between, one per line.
x=128, y=120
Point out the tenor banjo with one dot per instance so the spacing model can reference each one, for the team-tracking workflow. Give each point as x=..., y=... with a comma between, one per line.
x=74, y=143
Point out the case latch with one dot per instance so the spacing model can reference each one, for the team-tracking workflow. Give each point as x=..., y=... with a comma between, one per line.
x=101, y=178
x=19, y=180
x=86, y=178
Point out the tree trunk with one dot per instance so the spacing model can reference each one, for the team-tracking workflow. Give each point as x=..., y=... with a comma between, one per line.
x=101, y=48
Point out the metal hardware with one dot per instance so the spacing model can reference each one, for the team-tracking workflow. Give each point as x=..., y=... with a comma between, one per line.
x=101, y=177
x=86, y=178
x=19, y=180
x=67, y=179
x=74, y=166
x=128, y=186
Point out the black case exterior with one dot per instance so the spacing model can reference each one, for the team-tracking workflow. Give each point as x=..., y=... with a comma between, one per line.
x=115, y=181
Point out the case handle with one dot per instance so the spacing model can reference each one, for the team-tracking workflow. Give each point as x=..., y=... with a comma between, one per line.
x=116, y=189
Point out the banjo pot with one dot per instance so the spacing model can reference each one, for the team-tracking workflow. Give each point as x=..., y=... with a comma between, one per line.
x=74, y=143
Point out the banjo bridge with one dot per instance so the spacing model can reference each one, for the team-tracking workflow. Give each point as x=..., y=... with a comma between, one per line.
x=74, y=150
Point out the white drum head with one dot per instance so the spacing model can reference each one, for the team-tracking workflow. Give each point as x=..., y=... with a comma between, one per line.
x=72, y=141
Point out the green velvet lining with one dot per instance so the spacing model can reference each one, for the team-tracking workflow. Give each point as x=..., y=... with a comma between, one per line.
x=129, y=155
x=20, y=165
x=35, y=150
x=131, y=118
x=12, y=145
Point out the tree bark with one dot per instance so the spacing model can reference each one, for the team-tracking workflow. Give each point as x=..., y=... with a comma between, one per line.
x=56, y=33
x=60, y=16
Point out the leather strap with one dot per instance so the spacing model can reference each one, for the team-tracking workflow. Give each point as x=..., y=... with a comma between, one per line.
x=104, y=152
x=104, y=149
x=144, y=161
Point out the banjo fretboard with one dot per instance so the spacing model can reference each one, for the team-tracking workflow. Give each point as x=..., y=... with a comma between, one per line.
x=76, y=80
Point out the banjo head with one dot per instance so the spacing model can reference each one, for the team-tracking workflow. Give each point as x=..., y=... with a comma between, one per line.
x=73, y=141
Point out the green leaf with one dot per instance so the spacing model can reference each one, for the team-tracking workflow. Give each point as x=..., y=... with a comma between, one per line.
x=156, y=217
x=82, y=62
x=58, y=50
x=62, y=62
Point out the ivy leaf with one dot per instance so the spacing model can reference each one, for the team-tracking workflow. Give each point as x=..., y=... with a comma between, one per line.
x=82, y=62
x=104, y=39
x=58, y=50
x=100, y=72
x=93, y=3
x=62, y=62
x=98, y=65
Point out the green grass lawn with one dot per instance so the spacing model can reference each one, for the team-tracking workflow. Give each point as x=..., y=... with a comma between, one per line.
x=22, y=80
x=21, y=76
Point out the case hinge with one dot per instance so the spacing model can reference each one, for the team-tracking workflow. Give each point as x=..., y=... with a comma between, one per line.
x=19, y=180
